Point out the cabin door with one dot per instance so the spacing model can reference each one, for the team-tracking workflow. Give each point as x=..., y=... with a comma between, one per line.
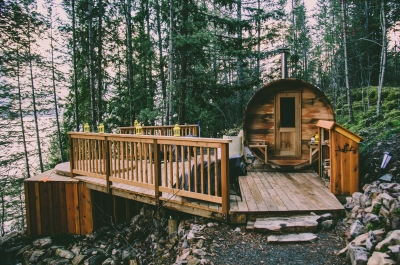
x=288, y=124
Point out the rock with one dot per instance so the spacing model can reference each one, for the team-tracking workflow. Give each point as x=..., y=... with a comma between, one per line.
x=392, y=238
x=292, y=238
x=185, y=254
x=356, y=198
x=356, y=229
x=63, y=253
x=250, y=225
x=395, y=252
x=327, y=224
x=238, y=230
x=210, y=224
x=386, y=178
x=36, y=254
x=325, y=216
x=387, y=200
x=287, y=224
x=42, y=243
x=357, y=255
x=379, y=258
x=200, y=243
x=22, y=250
x=349, y=206
x=76, y=249
x=395, y=223
x=78, y=259
x=384, y=211
x=59, y=262
x=8, y=240
x=108, y=261
x=370, y=218
x=199, y=252
x=194, y=261
x=95, y=260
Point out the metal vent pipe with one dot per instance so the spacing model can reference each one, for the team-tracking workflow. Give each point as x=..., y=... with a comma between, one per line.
x=284, y=52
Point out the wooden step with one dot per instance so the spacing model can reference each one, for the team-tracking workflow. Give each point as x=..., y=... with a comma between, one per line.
x=292, y=238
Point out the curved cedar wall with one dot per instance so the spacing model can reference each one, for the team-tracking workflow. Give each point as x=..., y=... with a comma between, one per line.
x=259, y=118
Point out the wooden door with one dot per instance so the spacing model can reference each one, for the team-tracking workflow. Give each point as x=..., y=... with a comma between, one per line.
x=288, y=124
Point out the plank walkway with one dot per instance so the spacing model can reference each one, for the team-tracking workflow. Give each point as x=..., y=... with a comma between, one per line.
x=264, y=192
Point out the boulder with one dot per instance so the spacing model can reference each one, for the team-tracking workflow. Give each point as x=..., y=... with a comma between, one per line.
x=42, y=243
x=327, y=224
x=395, y=252
x=356, y=229
x=78, y=259
x=357, y=255
x=199, y=252
x=292, y=238
x=392, y=238
x=379, y=258
x=63, y=253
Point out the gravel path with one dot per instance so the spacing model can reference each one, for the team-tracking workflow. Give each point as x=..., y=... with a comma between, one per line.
x=225, y=246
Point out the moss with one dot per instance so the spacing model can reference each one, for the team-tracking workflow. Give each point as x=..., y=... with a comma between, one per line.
x=376, y=209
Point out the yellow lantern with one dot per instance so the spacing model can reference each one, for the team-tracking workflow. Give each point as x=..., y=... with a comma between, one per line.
x=177, y=131
x=101, y=128
x=316, y=137
x=86, y=127
x=139, y=129
x=135, y=123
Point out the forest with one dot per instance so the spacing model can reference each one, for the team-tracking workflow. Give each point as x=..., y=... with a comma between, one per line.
x=64, y=63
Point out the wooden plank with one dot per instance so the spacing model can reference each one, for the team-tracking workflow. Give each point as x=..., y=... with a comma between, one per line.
x=297, y=190
x=258, y=198
x=325, y=195
x=46, y=208
x=274, y=196
x=38, y=209
x=85, y=210
x=72, y=208
x=326, y=124
x=247, y=195
x=308, y=189
x=269, y=201
x=60, y=210
x=286, y=196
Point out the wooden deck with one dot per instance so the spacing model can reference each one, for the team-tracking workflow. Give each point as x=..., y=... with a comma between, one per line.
x=263, y=194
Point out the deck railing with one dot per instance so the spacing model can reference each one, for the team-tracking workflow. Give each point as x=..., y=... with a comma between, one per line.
x=196, y=168
x=165, y=130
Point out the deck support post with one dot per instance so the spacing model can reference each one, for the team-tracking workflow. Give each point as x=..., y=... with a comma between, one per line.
x=157, y=172
x=225, y=181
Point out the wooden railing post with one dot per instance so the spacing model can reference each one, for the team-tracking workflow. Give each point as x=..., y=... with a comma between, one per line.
x=71, y=155
x=157, y=172
x=108, y=163
x=225, y=181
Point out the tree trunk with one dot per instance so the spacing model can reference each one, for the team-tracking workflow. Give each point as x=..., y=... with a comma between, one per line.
x=382, y=61
x=129, y=64
x=91, y=67
x=99, y=63
x=346, y=68
x=35, y=114
x=171, y=60
x=53, y=77
x=161, y=64
x=74, y=67
x=21, y=117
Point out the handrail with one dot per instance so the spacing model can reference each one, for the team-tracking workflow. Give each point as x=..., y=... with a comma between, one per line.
x=196, y=168
x=162, y=130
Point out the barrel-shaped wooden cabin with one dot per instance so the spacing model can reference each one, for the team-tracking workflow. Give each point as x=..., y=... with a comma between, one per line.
x=280, y=120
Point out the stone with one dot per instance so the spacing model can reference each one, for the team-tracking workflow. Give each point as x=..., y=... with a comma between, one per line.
x=200, y=243
x=250, y=225
x=386, y=178
x=392, y=238
x=76, y=249
x=185, y=254
x=185, y=244
x=8, y=240
x=356, y=229
x=395, y=252
x=59, y=262
x=238, y=230
x=63, y=253
x=199, y=252
x=94, y=260
x=370, y=218
x=42, y=243
x=210, y=224
x=349, y=206
x=357, y=255
x=384, y=212
x=292, y=238
x=194, y=261
x=327, y=224
x=296, y=224
x=78, y=259
x=36, y=254
x=395, y=223
x=387, y=200
x=356, y=198
x=325, y=216
x=379, y=258
x=108, y=261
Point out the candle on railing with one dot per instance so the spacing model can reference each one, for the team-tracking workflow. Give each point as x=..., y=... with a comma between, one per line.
x=101, y=128
x=139, y=130
x=177, y=131
x=86, y=127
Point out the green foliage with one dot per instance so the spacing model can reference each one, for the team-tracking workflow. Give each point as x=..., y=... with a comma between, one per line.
x=376, y=226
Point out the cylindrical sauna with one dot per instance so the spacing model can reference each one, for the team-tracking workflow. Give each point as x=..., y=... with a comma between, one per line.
x=280, y=120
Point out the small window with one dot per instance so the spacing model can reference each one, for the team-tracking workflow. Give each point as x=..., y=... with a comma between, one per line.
x=287, y=113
